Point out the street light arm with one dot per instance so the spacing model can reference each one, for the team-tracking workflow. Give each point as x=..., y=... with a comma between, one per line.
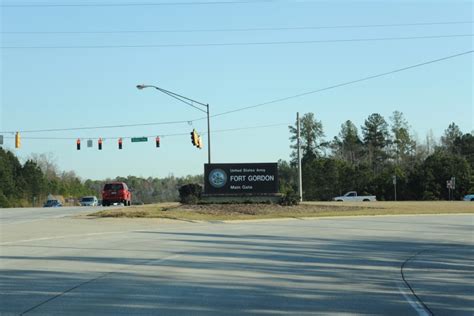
x=189, y=102
x=179, y=97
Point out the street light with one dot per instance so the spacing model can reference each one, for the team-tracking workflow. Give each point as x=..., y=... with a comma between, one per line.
x=189, y=102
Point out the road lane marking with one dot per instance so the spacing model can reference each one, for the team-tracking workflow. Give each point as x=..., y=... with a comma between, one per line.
x=419, y=301
x=65, y=236
x=414, y=303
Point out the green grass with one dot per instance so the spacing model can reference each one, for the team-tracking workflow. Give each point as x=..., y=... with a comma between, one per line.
x=222, y=212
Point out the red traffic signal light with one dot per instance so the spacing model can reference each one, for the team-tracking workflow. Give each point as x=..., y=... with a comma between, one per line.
x=100, y=143
x=157, y=141
x=120, y=143
x=78, y=144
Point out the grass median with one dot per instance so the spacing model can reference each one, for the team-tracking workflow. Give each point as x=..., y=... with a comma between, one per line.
x=225, y=212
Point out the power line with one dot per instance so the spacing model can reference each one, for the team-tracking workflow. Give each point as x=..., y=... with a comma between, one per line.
x=343, y=84
x=97, y=127
x=264, y=103
x=241, y=43
x=149, y=136
x=255, y=29
x=142, y=4
x=249, y=128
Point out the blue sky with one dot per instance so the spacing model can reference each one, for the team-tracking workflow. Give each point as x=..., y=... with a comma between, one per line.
x=76, y=87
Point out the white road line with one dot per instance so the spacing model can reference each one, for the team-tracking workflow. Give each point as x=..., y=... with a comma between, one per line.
x=414, y=303
x=64, y=236
x=24, y=221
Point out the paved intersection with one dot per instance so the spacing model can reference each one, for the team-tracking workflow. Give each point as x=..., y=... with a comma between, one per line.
x=60, y=265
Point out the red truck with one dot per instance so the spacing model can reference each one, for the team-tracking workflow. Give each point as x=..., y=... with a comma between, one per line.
x=116, y=192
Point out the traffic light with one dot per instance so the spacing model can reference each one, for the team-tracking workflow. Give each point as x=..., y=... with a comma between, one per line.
x=120, y=143
x=100, y=143
x=200, y=143
x=157, y=141
x=78, y=144
x=194, y=137
x=17, y=140
x=193, y=133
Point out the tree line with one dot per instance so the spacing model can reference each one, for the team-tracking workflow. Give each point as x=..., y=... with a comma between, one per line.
x=149, y=190
x=364, y=161
x=368, y=161
x=30, y=183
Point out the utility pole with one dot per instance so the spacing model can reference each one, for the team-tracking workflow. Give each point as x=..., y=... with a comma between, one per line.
x=300, y=180
x=208, y=136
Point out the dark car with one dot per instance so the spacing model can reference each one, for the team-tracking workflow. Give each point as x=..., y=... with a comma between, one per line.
x=116, y=192
x=52, y=203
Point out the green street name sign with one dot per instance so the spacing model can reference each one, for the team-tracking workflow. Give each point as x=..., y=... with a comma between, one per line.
x=139, y=139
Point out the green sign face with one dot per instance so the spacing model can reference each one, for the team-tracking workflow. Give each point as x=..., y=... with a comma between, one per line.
x=139, y=139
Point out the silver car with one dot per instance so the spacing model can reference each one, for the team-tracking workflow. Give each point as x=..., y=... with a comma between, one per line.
x=89, y=201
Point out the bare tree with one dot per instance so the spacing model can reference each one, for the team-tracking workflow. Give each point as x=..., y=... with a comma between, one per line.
x=47, y=164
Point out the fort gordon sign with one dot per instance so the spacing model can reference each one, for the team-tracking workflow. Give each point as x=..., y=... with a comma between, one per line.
x=241, y=179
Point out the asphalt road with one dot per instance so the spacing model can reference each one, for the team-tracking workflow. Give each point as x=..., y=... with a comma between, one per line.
x=399, y=265
x=25, y=215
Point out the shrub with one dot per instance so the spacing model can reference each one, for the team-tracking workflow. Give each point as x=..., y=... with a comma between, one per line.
x=4, y=201
x=289, y=199
x=190, y=193
x=429, y=196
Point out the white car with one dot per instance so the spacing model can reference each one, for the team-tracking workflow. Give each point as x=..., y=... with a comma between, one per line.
x=89, y=201
x=352, y=196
